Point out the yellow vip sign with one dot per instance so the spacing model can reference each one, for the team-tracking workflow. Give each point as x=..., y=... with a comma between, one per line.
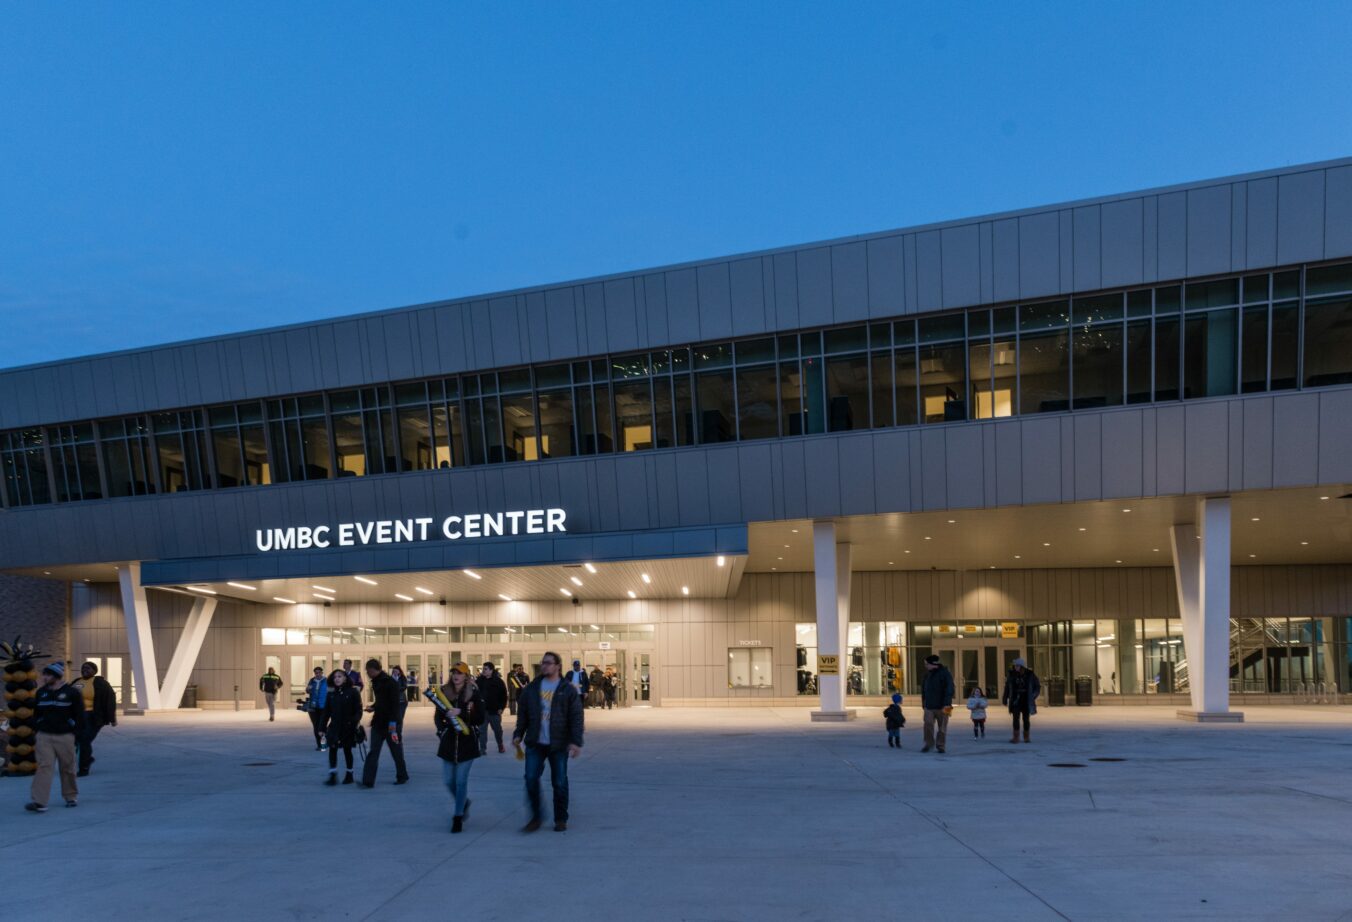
x=828, y=664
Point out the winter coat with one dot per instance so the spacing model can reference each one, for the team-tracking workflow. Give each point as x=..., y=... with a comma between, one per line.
x=1018, y=688
x=565, y=716
x=270, y=683
x=316, y=692
x=936, y=689
x=342, y=715
x=388, y=698
x=977, y=705
x=493, y=691
x=57, y=711
x=583, y=680
x=895, y=719
x=103, y=709
x=456, y=746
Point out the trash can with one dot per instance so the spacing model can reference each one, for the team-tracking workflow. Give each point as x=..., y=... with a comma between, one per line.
x=189, y=697
x=1084, y=691
x=1056, y=691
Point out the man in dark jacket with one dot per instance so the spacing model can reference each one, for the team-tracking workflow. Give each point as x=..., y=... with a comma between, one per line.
x=384, y=725
x=59, y=717
x=100, y=706
x=493, y=691
x=269, y=685
x=549, y=726
x=936, y=697
x=578, y=678
x=516, y=681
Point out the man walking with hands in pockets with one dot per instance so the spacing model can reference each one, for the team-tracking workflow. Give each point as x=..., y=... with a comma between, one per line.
x=549, y=726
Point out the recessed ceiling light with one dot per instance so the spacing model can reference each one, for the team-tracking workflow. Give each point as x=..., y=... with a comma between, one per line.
x=1018, y=557
x=633, y=594
x=563, y=630
x=46, y=572
x=928, y=538
x=891, y=564
x=1253, y=555
x=786, y=547
x=1046, y=544
x=952, y=521
x=505, y=598
x=565, y=592
x=282, y=598
x=1117, y=561
x=794, y=530
x=992, y=566
x=1083, y=529
x=471, y=574
x=202, y=589
x=774, y=568
x=442, y=630
x=590, y=568
x=422, y=590
x=406, y=598
x=1126, y=510
x=1323, y=497
x=1155, y=549
x=1304, y=542
x=243, y=586
x=575, y=581
x=685, y=590
x=779, y=558
x=906, y=552
x=363, y=579
x=648, y=579
x=323, y=598
x=721, y=560
x=323, y=588
x=1254, y=519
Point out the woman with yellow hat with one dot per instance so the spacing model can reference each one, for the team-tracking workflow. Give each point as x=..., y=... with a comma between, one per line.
x=457, y=726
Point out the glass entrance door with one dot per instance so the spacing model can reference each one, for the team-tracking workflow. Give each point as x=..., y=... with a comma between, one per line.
x=610, y=662
x=979, y=664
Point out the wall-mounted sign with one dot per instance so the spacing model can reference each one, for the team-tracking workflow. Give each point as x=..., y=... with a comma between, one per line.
x=604, y=645
x=1009, y=629
x=748, y=643
x=400, y=531
x=828, y=664
x=945, y=629
x=970, y=629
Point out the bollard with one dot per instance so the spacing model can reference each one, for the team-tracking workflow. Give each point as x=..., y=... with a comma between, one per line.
x=236, y=697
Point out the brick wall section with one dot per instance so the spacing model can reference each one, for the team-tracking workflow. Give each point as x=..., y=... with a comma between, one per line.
x=35, y=610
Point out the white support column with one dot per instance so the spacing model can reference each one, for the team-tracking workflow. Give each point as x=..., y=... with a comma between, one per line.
x=1202, y=577
x=136, y=615
x=832, y=565
x=185, y=654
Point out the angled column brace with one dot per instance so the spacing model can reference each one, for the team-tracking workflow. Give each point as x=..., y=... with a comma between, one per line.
x=187, y=650
x=141, y=646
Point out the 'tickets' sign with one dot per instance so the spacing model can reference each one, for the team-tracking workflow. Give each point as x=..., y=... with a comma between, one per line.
x=398, y=531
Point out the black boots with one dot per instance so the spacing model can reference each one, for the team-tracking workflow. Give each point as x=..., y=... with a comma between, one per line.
x=458, y=824
x=347, y=779
x=333, y=779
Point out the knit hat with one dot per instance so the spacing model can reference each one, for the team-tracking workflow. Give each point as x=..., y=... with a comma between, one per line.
x=55, y=669
x=1020, y=662
x=896, y=699
x=932, y=659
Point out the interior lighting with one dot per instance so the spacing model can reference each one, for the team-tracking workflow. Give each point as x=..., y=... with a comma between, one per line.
x=685, y=590
x=952, y=521
x=284, y=599
x=794, y=530
x=472, y=575
x=1254, y=519
x=1046, y=544
x=442, y=630
x=1253, y=555
x=423, y=591
x=1323, y=497
x=594, y=627
x=1117, y=561
x=1084, y=529
x=406, y=598
x=242, y=586
x=590, y=568
x=1304, y=542
x=633, y=594
x=366, y=580
x=324, y=598
x=721, y=560
x=1018, y=556
x=565, y=592
x=202, y=589
x=1126, y=510
x=505, y=598
x=575, y=581
x=928, y=538
x=648, y=579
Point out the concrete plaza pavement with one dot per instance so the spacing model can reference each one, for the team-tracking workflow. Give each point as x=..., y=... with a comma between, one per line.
x=720, y=814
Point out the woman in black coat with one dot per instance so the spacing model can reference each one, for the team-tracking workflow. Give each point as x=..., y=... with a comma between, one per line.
x=342, y=717
x=459, y=745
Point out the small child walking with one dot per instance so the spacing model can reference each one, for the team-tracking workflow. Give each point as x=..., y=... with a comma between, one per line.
x=977, y=705
x=895, y=721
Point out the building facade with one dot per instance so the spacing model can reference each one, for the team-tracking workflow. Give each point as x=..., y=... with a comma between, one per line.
x=1112, y=436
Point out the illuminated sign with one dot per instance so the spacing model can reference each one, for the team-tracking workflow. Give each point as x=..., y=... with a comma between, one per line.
x=402, y=531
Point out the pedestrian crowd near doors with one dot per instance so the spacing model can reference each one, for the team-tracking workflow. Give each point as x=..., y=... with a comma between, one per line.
x=544, y=711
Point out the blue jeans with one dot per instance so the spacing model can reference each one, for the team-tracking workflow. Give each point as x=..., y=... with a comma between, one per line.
x=455, y=775
x=536, y=756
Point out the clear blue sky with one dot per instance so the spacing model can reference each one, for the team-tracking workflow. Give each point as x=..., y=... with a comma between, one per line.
x=171, y=170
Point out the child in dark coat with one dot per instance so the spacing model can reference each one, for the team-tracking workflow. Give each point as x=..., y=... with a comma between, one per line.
x=895, y=721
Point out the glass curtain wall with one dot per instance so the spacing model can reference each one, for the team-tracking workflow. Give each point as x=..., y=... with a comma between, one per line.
x=1250, y=334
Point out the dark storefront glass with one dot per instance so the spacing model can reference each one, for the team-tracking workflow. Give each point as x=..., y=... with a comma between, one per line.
x=847, y=393
x=1210, y=349
x=1138, y=361
x=634, y=414
x=757, y=402
x=1166, y=358
x=556, y=423
x=717, y=415
x=1253, y=348
x=1328, y=342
